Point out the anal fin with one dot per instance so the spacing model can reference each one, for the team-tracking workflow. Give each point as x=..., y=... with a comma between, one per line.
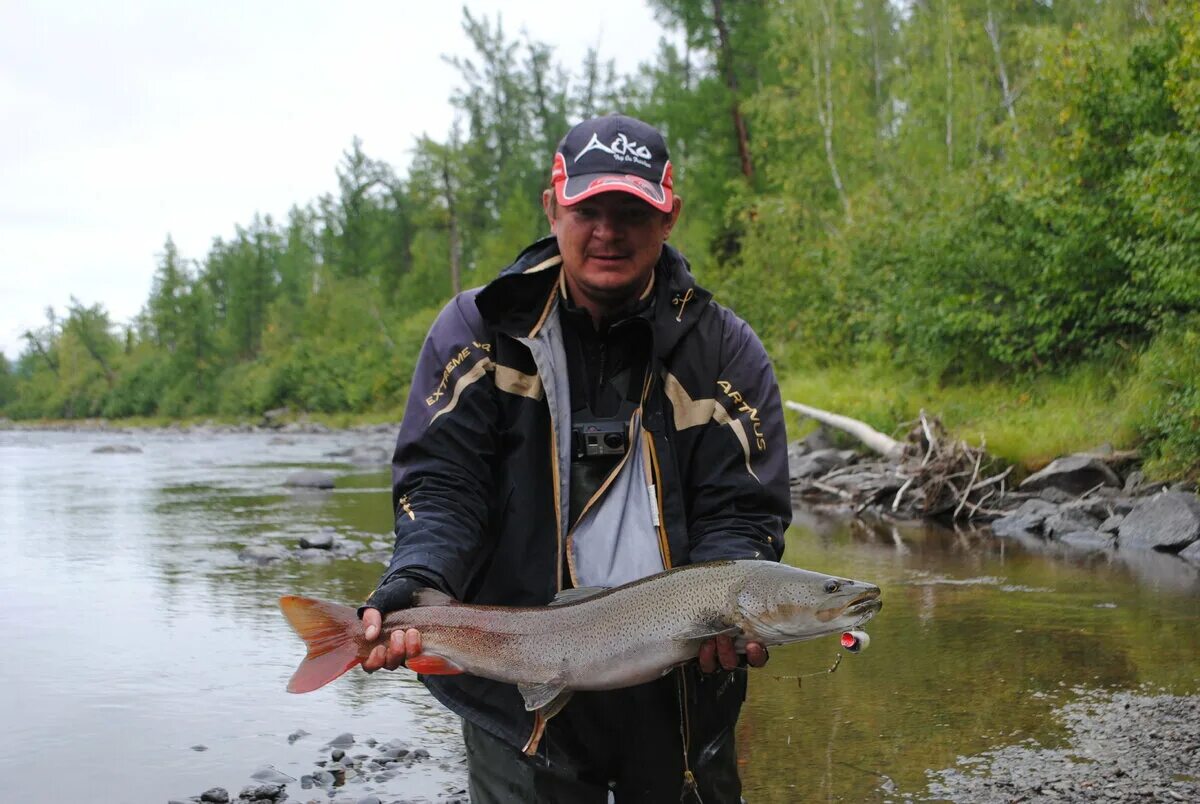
x=431, y=664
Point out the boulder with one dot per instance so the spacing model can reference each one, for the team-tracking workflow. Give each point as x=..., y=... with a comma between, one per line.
x=1069, y=520
x=320, y=541
x=1087, y=540
x=310, y=479
x=818, y=462
x=1191, y=552
x=215, y=795
x=1026, y=520
x=262, y=792
x=1073, y=474
x=264, y=553
x=1168, y=521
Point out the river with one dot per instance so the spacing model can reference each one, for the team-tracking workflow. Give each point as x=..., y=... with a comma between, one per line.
x=143, y=660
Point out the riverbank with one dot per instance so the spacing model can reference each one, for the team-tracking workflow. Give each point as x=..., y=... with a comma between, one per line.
x=1118, y=747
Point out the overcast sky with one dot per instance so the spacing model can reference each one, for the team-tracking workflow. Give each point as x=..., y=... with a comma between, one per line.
x=123, y=122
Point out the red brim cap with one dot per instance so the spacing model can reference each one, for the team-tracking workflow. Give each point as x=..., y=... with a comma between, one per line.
x=573, y=189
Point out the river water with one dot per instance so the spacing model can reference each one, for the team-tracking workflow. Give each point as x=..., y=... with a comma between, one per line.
x=143, y=660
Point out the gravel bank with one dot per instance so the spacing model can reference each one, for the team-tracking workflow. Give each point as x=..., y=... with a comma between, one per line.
x=1120, y=747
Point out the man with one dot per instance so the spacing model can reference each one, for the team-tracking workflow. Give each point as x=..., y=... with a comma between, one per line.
x=589, y=418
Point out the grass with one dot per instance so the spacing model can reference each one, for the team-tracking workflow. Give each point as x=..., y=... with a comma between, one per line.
x=1028, y=421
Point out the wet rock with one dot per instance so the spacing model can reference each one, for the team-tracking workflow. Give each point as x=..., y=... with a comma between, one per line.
x=343, y=740
x=262, y=792
x=1068, y=520
x=369, y=456
x=116, y=449
x=199, y=747
x=269, y=774
x=1087, y=540
x=1111, y=524
x=1026, y=520
x=310, y=479
x=320, y=541
x=215, y=795
x=1191, y=552
x=314, y=556
x=263, y=553
x=818, y=462
x=1073, y=474
x=296, y=735
x=369, y=800
x=337, y=755
x=1169, y=521
x=1055, y=495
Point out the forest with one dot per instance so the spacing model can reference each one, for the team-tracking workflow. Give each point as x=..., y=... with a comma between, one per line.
x=963, y=204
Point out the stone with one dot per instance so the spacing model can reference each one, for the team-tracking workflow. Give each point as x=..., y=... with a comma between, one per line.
x=263, y=553
x=1069, y=520
x=819, y=462
x=1168, y=521
x=1087, y=540
x=343, y=740
x=369, y=800
x=1191, y=552
x=269, y=774
x=215, y=795
x=314, y=556
x=116, y=449
x=310, y=479
x=1073, y=474
x=199, y=747
x=337, y=755
x=1026, y=520
x=1055, y=495
x=1111, y=524
x=261, y=792
x=369, y=456
x=296, y=735
x=321, y=541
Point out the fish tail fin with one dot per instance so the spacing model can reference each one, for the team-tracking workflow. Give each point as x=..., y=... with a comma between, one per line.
x=333, y=634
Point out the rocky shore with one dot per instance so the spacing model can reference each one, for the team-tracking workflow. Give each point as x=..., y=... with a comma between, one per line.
x=351, y=770
x=1119, y=747
x=1097, y=503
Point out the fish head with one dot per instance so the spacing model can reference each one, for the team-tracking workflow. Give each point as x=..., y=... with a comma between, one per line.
x=778, y=604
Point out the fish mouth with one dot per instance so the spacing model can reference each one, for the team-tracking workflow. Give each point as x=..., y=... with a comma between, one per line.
x=866, y=606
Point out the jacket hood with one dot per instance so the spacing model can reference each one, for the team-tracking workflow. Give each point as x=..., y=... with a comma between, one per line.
x=518, y=299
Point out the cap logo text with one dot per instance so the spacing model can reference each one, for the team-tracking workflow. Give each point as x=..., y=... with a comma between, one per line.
x=622, y=149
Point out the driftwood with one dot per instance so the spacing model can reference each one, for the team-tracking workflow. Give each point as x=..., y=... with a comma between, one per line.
x=929, y=474
x=886, y=446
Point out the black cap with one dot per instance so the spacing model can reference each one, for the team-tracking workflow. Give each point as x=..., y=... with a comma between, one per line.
x=613, y=153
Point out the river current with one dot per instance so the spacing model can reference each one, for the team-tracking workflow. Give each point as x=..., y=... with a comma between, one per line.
x=143, y=660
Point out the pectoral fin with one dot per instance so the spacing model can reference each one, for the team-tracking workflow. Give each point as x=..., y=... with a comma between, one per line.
x=706, y=631
x=544, y=696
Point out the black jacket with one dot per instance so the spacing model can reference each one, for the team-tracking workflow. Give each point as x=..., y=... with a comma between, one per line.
x=477, y=486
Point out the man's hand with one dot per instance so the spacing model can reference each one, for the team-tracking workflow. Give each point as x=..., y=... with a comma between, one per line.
x=403, y=643
x=391, y=654
x=719, y=652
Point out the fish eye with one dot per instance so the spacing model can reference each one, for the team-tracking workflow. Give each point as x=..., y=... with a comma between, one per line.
x=831, y=586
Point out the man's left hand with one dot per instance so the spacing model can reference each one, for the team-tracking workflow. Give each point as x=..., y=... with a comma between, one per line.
x=719, y=652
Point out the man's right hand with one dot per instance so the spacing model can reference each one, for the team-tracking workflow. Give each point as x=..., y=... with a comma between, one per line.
x=402, y=643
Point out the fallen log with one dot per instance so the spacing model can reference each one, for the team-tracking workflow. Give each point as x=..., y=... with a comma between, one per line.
x=885, y=445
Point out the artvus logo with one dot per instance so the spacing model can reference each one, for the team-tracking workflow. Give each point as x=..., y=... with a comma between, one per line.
x=622, y=149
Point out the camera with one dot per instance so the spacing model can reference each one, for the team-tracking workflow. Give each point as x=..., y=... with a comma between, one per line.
x=599, y=439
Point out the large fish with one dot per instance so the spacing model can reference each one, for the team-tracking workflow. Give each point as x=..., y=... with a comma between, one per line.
x=591, y=639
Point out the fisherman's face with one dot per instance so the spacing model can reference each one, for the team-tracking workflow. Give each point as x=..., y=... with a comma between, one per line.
x=609, y=244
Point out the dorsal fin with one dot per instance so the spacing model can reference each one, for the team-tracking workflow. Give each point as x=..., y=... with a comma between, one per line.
x=575, y=595
x=432, y=597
